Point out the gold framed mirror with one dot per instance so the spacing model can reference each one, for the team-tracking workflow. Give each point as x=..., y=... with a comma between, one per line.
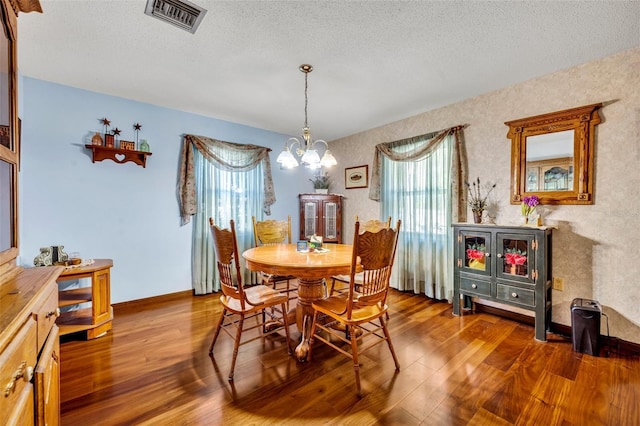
x=552, y=156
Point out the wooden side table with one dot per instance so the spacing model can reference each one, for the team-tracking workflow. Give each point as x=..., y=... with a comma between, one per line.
x=95, y=320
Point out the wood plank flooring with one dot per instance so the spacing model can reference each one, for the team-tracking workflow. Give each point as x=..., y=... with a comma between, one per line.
x=153, y=368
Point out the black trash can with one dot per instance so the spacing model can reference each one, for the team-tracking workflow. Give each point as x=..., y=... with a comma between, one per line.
x=585, y=326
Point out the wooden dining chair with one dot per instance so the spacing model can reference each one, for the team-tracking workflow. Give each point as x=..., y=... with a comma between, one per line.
x=269, y=232
x=361, y=312
x=371, y=225
x=240, y=303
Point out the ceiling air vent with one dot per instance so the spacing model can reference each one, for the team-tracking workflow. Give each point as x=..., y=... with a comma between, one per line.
x=181, y=13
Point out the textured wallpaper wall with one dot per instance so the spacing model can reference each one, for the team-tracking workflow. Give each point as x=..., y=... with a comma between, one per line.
x=595, y=246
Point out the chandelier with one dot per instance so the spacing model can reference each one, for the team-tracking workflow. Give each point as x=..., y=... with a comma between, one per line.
x=306, y=149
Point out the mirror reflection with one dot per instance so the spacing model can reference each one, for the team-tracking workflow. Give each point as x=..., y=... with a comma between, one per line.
x=549, y=161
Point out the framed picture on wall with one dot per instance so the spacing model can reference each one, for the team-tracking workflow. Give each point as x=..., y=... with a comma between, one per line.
x=356, y=177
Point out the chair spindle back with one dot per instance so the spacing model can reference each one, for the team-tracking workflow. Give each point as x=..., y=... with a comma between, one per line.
x=376, y=252
x=374, y=225
x=267, y=232
x=226, y=251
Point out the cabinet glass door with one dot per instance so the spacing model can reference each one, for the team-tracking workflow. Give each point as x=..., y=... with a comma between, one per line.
x=7, y=203
x=310, y=219
x=476, y=249
x=515, y=256
x=330, y=221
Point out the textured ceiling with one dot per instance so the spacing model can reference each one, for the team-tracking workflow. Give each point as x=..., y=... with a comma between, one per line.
x=375, y=62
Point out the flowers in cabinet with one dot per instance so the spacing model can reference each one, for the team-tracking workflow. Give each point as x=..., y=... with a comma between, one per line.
x=514, y=256
x=476, y=256
x=476, y=251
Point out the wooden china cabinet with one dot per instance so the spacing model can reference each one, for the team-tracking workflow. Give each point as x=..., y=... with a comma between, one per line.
x=321, y=215
x=29, y=347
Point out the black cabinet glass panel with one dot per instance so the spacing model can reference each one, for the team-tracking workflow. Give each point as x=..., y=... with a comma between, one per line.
x=515, y=255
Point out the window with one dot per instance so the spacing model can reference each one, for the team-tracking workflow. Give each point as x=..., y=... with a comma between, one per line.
x=419, y=192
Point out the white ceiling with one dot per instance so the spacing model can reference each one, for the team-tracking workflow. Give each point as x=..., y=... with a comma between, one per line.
x=375, y=62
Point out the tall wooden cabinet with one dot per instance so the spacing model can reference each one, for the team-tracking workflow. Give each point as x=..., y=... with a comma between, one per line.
x=505, y=264
x=321, y=214
x=29, y=348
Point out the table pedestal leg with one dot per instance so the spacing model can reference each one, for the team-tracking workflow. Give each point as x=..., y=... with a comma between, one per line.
x=308, y=291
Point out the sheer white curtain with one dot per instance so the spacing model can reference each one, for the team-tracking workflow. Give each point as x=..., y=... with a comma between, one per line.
x=224, y=181
x=419, y=184
x=222, y=195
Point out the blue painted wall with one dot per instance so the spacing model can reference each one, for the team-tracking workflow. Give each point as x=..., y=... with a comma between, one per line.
x=120, y=211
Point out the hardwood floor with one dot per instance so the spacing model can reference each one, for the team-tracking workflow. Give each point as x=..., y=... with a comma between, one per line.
x=481, y=369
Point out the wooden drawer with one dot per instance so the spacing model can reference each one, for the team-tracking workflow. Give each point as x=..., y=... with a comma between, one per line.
x=16, y=369
x=47, y=382
x=46, y=312
x=22, y=414
x=475, y=286
x=516, y=295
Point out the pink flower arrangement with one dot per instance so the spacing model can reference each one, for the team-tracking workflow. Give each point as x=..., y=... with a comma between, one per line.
x=515, y=257
x=475, y=254
x=475, y=251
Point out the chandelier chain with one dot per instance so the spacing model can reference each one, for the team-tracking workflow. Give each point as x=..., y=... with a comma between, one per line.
x=306, y=99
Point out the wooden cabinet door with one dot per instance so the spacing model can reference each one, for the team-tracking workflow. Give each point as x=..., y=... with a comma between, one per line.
x=22, y=412
x=47, y=382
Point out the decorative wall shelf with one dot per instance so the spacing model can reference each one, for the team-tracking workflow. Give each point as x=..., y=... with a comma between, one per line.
x=118, y=155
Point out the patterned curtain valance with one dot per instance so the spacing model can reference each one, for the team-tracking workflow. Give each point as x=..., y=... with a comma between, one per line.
x=425, y=145
x=226, y=155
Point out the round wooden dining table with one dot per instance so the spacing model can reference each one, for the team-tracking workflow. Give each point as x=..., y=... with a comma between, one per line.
x=310, y=268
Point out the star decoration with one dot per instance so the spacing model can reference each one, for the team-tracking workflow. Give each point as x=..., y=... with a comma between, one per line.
x=117, y=131
x=106, y=122
x=137, y=126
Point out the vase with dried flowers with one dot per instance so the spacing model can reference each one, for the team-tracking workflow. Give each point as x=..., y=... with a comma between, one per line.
x=477, y=201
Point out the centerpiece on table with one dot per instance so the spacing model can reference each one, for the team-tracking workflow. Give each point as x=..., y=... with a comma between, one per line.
x=477, y=201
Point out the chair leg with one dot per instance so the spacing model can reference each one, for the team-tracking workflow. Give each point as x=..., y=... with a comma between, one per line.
x=354, y=355
x=218, y=328
x=388, y=337
x=286, y=330
x=333, y=284
x=311, y=334
x=288, y=289
x=236, y=345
